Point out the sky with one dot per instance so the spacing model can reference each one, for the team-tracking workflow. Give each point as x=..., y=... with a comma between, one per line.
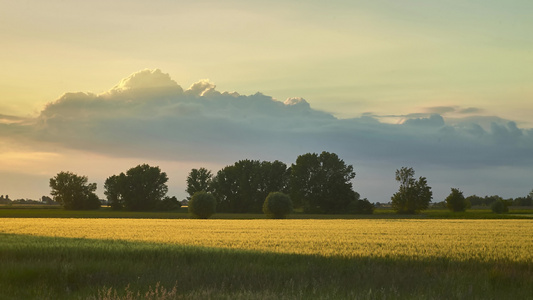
x=98, y=87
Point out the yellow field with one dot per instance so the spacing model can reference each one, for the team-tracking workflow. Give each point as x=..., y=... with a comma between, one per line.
x=461, y=240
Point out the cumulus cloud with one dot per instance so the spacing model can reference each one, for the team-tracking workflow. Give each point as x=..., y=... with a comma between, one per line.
x=146, y=80
x=148, y=115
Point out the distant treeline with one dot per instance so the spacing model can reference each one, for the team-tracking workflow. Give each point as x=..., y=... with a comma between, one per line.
x=315, y=183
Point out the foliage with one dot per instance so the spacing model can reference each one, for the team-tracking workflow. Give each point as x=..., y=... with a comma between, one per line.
x=484, y=201
x=499, y=207
x=456, y=201
x=199, y=180
x=168, y=204
x=321, y=183
x=5, y=200
x=523, y=201
x=74, y=192
x=413, y=196
x=140, y=189
x=277, y=205
x=202, y=205
x=113, y=189
x=243, y=186
x=361, y=206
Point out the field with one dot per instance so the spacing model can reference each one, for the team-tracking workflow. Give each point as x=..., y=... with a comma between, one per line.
x=266, y=259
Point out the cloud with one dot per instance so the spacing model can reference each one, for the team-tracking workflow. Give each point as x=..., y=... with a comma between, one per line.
x=146, y=80
x=470, y=110
x=434, y=121
x=149, y=116
x=442, y=110
x=5, y=119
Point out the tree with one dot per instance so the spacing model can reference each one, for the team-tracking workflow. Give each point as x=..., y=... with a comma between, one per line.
x=243, y=186
x=475, y=200
x=321, y=183
x=113, y=189
x=413, y=195
x=168, y=204
x=499, y=207
x=202, y=205
x=74, y=192
x=199, y=180
x=456, y=201
x=140, y=189
x=277, y=205
x=361, y=206
x=523, y=201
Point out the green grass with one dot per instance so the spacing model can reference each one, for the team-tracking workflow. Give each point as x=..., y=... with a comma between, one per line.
x=44, y=211
x=62, y=268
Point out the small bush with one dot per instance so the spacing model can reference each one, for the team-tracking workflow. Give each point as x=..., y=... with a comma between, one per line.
x=277, y=205
x=202, y=205
x=361, y=206
x=499, y=207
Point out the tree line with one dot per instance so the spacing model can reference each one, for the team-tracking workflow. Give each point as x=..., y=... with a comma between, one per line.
x=315, y=183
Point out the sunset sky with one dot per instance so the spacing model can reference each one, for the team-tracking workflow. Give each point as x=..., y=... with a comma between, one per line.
x=98, y=87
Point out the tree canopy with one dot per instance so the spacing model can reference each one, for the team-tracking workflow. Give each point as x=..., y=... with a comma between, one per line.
x=140, y=189
x=74, y=192
x=321, y=183
x=413, y=195
x=456, y=201
x=199, y=180
x=243, y=186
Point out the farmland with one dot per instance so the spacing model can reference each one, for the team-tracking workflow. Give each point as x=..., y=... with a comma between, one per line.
x=268, y=259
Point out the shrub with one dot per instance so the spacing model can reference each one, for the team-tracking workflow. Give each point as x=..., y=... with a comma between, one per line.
x=456, y=201
x=499, y=207
x=202, y=205
x=277, y=205
x=361, y=206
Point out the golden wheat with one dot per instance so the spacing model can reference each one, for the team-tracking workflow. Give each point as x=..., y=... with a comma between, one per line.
x=462, y=240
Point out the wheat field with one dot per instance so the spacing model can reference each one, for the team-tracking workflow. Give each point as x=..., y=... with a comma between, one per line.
x=458, y=240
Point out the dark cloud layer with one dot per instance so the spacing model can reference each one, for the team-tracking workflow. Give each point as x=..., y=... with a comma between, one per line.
x=148, y=115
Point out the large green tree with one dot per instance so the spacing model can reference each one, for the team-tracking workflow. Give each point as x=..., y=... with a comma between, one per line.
x=321, y=183
x=74, y=192
x=199, y=180
x=140, y=189
x=413, y=195
x=243, y=186
x=113, y=190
